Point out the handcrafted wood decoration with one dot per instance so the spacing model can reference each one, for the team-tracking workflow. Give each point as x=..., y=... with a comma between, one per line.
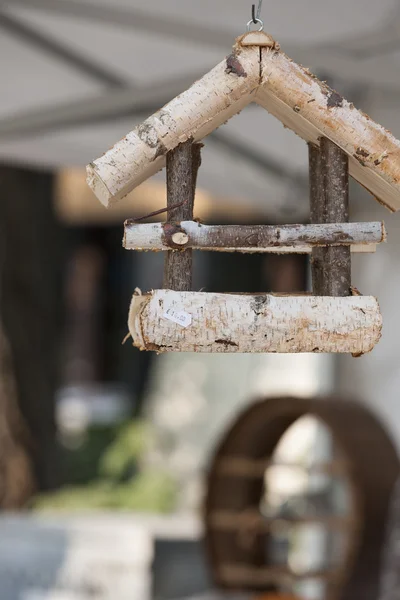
x=236, y=533
x=341, y=140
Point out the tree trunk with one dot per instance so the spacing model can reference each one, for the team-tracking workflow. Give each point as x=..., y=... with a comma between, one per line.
x=16, y=473
x=29, y=302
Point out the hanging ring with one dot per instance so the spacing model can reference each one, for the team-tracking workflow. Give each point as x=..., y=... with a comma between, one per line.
x=257, y=21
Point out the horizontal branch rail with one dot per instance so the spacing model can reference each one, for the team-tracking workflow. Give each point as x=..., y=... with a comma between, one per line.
x=250, y=238
x=168, y=321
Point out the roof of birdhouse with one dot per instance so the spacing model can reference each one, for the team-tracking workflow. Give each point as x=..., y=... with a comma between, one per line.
x=256, y=71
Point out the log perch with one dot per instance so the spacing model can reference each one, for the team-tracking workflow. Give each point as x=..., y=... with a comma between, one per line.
x=167, y=321
x=250, y=238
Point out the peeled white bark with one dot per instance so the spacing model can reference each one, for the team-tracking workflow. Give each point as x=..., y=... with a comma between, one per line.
x=313, y=110
x=263, y=74
x=168, y=321
x=299, y=239
x=209, y=103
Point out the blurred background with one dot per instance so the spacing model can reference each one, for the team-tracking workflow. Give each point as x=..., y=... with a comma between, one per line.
x=104, y=450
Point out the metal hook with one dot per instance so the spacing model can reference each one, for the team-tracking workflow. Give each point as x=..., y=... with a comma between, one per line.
x=255, y=18
x=257, y=21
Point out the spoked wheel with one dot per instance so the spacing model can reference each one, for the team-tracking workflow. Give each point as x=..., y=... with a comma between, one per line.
x=238, y=534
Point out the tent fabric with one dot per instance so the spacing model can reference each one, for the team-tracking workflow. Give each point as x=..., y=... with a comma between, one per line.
x=78, y=75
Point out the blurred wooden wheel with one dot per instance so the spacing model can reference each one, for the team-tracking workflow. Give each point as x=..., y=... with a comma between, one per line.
x=236, y=531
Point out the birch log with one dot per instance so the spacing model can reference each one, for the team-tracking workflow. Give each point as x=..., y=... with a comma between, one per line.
x=250, y=238
x=263, y=74
x=313, y=110
x=209, y=103
x=167, y=321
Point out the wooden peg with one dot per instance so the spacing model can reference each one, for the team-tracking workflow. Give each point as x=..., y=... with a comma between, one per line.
x=182, y=167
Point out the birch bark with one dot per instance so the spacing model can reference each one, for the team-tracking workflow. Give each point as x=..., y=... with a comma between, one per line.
x=167, y=321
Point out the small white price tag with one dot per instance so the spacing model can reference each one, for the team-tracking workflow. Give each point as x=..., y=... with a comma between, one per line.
x=178, y=316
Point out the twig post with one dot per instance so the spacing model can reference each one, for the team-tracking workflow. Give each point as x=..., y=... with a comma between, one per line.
x=316, y=216
x=329, y=203
x=182, y=167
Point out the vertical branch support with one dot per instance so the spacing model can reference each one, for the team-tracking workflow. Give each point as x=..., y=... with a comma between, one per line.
x=317, y=215
x=182, y=167
x=329, y=203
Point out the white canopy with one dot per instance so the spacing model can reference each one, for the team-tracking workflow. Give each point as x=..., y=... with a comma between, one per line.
x=78, y=75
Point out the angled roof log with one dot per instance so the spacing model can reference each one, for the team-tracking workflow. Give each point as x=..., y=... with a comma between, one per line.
x=256, y=71
x=313, y=110
x=209, y=103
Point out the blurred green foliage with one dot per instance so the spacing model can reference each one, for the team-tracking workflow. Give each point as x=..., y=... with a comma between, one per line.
x=81, y=460
x=133, y=440
x=120, y=481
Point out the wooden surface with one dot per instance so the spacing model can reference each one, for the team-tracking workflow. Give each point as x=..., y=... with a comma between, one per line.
x=250, y=238
x=166, y=321
x=182, y=167
x=287, y=90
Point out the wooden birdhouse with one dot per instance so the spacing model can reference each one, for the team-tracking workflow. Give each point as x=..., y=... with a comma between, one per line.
x=341, y=140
